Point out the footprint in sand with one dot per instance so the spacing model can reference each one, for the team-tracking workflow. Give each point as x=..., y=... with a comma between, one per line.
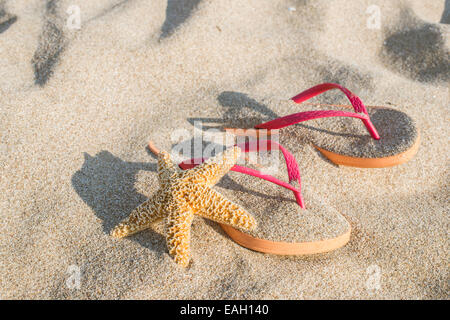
x=51, y=44
x=418, y=49
x=6, y=19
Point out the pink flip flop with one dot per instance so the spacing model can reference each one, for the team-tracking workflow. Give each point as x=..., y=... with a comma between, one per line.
x=388, y=137
x=285, y=226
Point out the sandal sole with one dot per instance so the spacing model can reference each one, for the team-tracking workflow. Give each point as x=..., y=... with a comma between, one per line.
x=286, y=248
x=384, y=162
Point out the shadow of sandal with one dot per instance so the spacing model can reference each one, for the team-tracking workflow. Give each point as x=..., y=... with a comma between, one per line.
x=239, y=111
x=106, y=184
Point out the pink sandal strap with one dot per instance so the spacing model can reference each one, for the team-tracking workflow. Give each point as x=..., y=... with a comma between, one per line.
x=291, y=164
x=358, y=106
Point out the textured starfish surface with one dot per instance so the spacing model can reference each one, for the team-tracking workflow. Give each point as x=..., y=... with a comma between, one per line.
x=183, y=194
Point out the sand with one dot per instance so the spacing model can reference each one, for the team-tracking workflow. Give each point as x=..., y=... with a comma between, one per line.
x=78, y=107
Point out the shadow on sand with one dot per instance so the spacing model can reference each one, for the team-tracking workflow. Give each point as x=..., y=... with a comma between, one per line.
x=418, y=51
x=50, y=46
x=6, y=19
x=106, y=184
x=446, y=14
x=177, y=12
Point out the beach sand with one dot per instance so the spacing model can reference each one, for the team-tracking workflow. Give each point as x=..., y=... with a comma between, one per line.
x=78, y=107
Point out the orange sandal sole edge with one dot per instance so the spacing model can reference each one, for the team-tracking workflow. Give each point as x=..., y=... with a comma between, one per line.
x=344, y=160
x=286, y=248
x=384, y=162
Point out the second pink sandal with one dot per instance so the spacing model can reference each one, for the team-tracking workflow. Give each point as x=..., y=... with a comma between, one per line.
x=367, y=136
x=286, y=224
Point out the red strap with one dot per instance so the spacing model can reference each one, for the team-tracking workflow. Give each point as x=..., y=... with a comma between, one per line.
x=360, y=109
x=263, y=145
x=307, y=115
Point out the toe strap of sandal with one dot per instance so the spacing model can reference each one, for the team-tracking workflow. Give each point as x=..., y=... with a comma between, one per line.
x=358, y=106
x=264, y=145
x=291, y=165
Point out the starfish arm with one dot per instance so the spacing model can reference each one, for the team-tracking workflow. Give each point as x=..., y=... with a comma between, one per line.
x=178, y=234
x=214, y=206
x=167, y=169
x=210, y=171
x=142, y=217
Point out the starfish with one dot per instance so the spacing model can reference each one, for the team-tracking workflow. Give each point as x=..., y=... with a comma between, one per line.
x=182, y=194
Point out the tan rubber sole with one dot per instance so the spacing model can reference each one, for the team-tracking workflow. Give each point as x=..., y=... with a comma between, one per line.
x=286, y=248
